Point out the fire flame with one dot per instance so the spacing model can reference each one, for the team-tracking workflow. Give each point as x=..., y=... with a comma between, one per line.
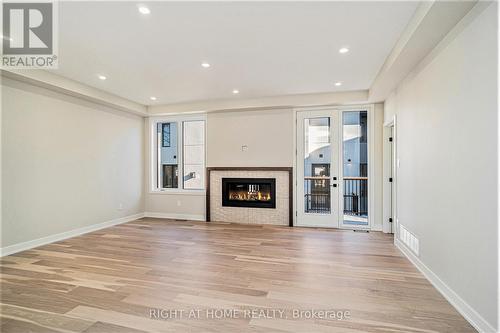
x=249, y=196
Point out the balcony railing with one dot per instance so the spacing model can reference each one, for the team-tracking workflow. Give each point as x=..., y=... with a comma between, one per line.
x=356, y=196
x=317, y=195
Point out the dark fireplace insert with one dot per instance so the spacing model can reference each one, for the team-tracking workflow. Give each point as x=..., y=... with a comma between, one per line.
x=249, y=192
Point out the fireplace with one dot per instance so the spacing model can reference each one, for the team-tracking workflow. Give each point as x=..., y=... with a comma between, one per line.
x=249, y=192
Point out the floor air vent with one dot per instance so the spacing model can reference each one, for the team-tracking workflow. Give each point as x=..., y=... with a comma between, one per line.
x=409, y=239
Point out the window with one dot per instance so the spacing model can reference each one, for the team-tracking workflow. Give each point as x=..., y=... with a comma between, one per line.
x=179, y=154
x=355, y=167
x=165, y=135
x=194, y=154
x=167, y=155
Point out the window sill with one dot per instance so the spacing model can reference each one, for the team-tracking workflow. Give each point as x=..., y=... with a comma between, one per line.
x=179, y=192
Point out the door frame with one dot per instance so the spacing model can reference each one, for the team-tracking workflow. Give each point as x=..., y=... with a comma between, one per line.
x=370, y=108
x=390, y=189
x=335, y=168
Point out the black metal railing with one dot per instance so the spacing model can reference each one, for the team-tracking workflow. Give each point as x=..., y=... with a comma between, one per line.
x=317, y=195
x=317, y=203
x=356, y=196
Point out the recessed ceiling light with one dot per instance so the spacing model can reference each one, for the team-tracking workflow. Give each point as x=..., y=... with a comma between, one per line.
x=236, y=91
x=144, y=10
x=344, y=50
x=102, y=77
x=152, y=98
x=338, y=84
x=205, y=64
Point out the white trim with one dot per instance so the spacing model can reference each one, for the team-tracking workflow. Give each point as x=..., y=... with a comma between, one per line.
x=267, y=103
x=390, y=122
x=294, y=169
x=54, y=82
x=370, y=110
x=200, y=193
x=11, y=249
x=395, y=172
x=318, y=220
x=352, y=107
x=389, y=189
x=371, y=167
x=174, y=216
x=170, y=114
x=474, y=318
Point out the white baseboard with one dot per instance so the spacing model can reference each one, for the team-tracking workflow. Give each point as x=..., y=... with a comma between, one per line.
x=173, y=216
x=4, y=251
x=474, y=318
x=11, y=249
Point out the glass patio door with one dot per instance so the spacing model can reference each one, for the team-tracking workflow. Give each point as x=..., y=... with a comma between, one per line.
x=354, y=169
x=317, y=169
x=332, y=169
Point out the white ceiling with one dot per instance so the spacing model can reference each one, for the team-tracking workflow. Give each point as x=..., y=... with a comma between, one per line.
x=261, y=49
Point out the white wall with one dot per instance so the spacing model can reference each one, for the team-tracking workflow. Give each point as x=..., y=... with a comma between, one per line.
x=66, y=163
x=447, y=147
x=268, y=134
x=190, y=206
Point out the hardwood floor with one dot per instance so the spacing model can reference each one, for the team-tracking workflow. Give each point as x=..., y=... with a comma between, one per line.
x=117, y=279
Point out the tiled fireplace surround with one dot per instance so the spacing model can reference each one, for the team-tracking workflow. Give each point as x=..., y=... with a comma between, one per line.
x=281, y=215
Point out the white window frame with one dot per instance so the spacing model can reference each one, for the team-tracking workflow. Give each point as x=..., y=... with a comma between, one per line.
x=153, y=153
x=370, y=109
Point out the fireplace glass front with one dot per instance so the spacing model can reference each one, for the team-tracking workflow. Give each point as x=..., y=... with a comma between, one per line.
x=249, y=192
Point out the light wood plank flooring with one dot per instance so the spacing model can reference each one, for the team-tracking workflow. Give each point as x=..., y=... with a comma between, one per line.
x=114, y=279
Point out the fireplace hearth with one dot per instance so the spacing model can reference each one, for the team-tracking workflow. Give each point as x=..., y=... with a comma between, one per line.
x=249, y=192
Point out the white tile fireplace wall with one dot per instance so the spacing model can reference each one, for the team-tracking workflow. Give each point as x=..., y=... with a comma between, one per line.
x=276, y=216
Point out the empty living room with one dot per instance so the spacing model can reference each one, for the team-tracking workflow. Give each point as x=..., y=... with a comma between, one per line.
x=249, y=166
